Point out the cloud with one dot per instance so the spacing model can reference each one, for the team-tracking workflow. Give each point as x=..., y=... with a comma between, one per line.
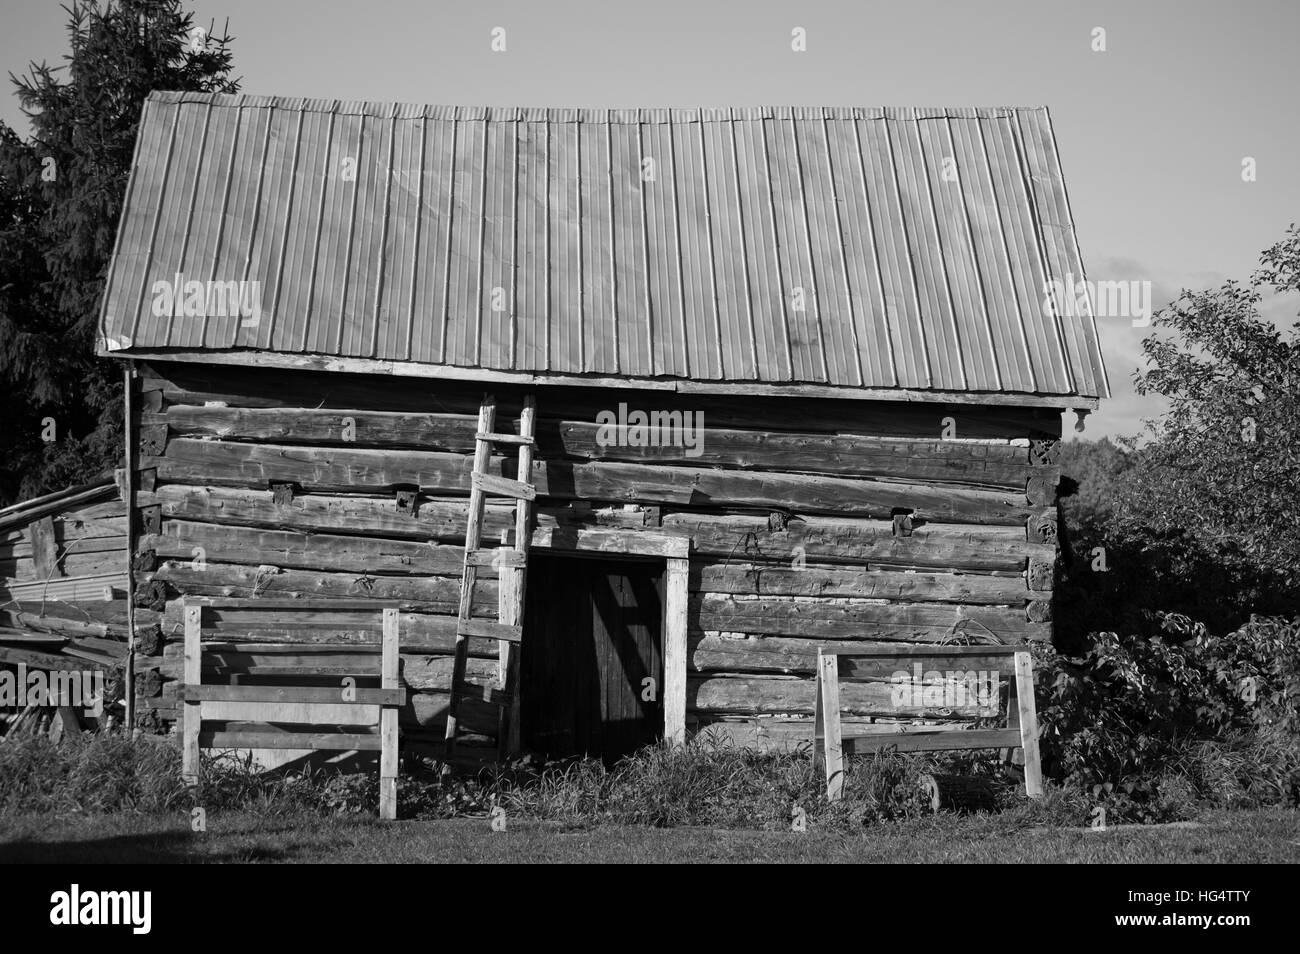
x=1121, y=344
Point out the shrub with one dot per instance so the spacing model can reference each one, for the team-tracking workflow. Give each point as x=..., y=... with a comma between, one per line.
x=1245, y=769
x=1120, y=715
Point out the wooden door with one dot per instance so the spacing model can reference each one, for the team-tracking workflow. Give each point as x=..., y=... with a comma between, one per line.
x=592, y=660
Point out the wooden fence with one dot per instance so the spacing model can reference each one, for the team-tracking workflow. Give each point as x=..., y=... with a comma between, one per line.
x=269, y=716
x=882, y=664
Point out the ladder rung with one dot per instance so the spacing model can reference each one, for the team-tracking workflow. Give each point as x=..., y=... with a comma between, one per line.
x=496, y=556
x=504, y=486
x=503, y=438
x=489, y=629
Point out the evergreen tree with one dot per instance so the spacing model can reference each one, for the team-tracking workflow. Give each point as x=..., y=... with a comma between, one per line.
x=61, y=193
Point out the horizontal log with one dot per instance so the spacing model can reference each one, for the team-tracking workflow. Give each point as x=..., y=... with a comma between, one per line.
x=872, y=543
x=26, y=512
x=96, y=644
x=951, y=668
x=196, y=384
x=434, y=633
x=48, y=661
x=329, y=663
x=803, y=452
x=424, y=712
x=441, y=519
x=807, y=452
x=714, y=653
x=315, y=469
x=272, y=604
x=591, y=540
x=88, y=543
x=75, y=628
x=435, y=594
x=71, y=564
x=783, y=694
x=282, y=548
x=85, y=612
x=761, y=580
x=322, y=427
x=916, y=622
x=803, y=493
x=24, y=637
x=438, y=519
x=110, y=512
x=351, y=470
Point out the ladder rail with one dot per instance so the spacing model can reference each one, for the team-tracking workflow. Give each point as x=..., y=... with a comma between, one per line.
x=511, y=569
x=473, y=537
x=512, y=602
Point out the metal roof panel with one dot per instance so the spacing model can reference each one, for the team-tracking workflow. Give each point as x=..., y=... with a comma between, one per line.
x=805, y=245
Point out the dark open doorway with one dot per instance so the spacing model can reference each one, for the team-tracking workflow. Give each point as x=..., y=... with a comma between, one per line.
x=591, y=669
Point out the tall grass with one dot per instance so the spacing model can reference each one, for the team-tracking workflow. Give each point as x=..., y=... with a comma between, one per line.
x=90, y=772
x=696, y=785
x=712, y=786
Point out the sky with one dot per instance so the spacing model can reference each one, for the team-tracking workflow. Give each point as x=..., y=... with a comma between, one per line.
x=1152, y=131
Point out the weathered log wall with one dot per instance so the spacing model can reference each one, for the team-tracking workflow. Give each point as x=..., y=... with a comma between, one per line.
x=64, y=591
x=811, y=521
x=84, y=543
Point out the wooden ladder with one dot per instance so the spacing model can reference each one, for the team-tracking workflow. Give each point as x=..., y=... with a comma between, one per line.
x=511, y=563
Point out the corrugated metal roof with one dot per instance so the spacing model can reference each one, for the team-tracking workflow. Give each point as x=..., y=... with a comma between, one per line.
x=864, y=248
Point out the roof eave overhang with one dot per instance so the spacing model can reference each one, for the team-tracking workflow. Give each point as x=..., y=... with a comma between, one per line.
x=412, y=369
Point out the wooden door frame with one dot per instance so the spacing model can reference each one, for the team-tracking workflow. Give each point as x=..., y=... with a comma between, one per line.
x=648, y=545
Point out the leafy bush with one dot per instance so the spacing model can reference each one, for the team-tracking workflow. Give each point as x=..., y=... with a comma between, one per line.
x=1120, y=716
x=1201, y=516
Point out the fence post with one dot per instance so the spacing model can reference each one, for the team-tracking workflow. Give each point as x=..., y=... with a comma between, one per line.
x=827, y=718
x=1028, y=724
x=193, y=712
x=388, y=719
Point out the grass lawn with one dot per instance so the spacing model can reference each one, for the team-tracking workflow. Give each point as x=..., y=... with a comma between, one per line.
x=1265, y=836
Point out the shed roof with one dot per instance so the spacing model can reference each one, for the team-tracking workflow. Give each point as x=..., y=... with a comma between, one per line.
x=869, y=252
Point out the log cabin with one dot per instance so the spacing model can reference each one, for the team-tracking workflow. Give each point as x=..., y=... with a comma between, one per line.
x=799, y=376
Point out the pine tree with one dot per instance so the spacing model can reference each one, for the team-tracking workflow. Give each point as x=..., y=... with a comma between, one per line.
x=61, y=193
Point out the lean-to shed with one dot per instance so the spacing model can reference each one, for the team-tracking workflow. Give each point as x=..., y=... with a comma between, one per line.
x=798, y=375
